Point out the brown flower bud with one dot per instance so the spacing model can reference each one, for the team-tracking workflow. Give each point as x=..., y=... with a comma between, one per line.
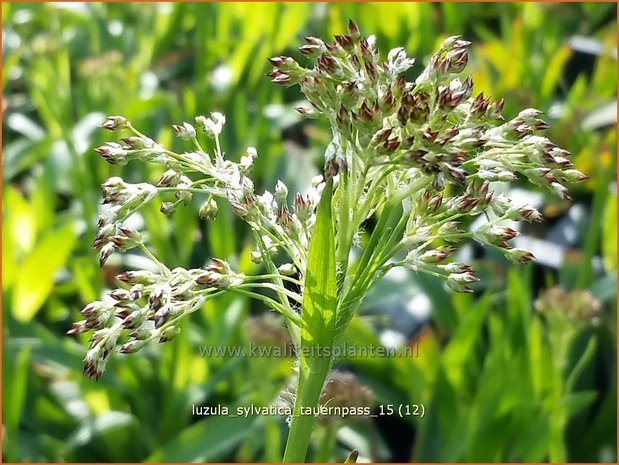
x=114, y=123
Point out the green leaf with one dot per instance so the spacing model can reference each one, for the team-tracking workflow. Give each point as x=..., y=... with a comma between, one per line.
x=553, y=71
x=35, y=279
x=113, y=432
x=578, y=401
x=605, y=288
x=319, y=296
x=609, y=236
x=21, y=223
x=206, y=441
x=15, y=370
x=443, y=431
x=318, y=326
x=462, y=344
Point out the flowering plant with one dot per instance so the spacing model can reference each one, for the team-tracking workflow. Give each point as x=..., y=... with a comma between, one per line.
x=419, y=156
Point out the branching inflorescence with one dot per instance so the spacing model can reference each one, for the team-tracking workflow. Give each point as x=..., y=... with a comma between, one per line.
x=419, y=156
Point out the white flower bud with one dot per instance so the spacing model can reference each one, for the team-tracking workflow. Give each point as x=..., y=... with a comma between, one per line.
x=208, y=210
x=213, y=125
x=185, y=132
x=560, y=190
x=287, y=269
x=281, y=192
x=247, y=160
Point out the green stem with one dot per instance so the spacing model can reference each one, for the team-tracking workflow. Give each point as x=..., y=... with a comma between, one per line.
x=308, y=395
x=326, y=445
x=164, y=269
x=289, y=314
x=293, y=326
x=345, y=230
x=291, y=295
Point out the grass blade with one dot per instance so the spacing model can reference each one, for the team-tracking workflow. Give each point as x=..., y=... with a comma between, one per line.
x=318, y=331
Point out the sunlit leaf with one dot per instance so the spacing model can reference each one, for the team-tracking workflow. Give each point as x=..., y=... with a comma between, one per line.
x=609, y=235
x=36, y=273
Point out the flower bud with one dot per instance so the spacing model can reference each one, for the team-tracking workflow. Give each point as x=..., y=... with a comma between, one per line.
x=185, y=132
x=94, y=363
x=169, y=178
x=506, y=176
x=138, y=277
x=94, y=308
x=281, y=192
x=436, y=255
x=456, y=268
x=132, y=346
x=353, y=31
x=573, y=176
x=114, y=123
x=162, y=316
x=209, y=278
x=449, y=228
x=120, y=295
x=130, y=238
x=113, y=153
x=141, y=333
x=463, y=278
x=159, y=296
x=78, y=327
x=219, y=266
x=248, y=159
x=169, y=333
x=208, y=210
x=134, y=319
x=287, y=269
x=184, y=196
x=303, y=207
x=519, y=256
x=168, y=208
x=560, y=190
x=308, y=112
x=138, y=143
x=136, y=291
x=458, y=287
x=256, y=257
x=213, y=125
x=105, y=253
x=458, y=281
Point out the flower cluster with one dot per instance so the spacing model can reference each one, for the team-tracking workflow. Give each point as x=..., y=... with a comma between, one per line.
x=149, y=308
x=421, y=157
x=430, y=141
x=578, y=305
x=149, y=305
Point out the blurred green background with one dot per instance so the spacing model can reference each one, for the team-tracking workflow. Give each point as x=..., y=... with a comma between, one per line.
x=524, y=370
